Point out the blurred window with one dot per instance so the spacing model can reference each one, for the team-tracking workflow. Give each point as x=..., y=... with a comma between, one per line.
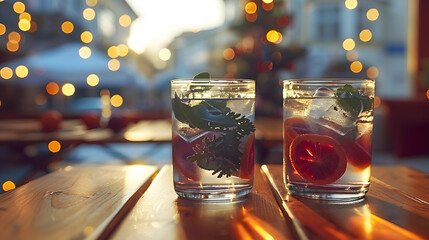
x=326, y=22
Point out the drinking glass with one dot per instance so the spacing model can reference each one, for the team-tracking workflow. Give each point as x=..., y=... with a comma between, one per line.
x=213, y=137
x=327, y=131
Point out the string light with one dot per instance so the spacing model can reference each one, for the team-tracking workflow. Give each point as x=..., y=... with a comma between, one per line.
x=365, y=35
x=123, y=50
x=52, y=88
x=351, y=4
x=88, y=14
x=92, y=80
x=21, y=71
x=114, y=65
x=349, y=44
x=85, y=52
x=250, y=7
x=67, y=27
x=113, y=52
x=6, y=73
x=372, y=14
x=116, y=100
x=68, y=89
x=86, y=37
x=356, y=66
x=19, y=7
x=125, y=20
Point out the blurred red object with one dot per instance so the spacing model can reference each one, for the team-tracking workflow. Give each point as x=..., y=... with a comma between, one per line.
x=50, y=120
x=408, y=124
x=91, y=120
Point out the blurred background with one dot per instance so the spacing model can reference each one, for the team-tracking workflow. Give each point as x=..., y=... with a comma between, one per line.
x=117, y=57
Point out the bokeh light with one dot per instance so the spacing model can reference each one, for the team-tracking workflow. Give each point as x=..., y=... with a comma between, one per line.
x=91, y=3
x=85, y=52
x=377, y=102
x=2, y=29
x=114, y=65
x=274, y=36
x=228, y=54
x=113, y=52
x=356, y=66
x=54, y=146
x=33, y=27
x=267, y=6
x=349, y=44
x=92, y=80
x=14, y=37
x=251, y=17
x=68, y=89
x=164, y=54
x=427, y=94
x=52, y=88
x=24, y=25
x=21, y=71
x=365, y=35
x=125, y=20
x=123, y=50
x=8, y=185
x=67, y=27
x=351, y=4
x=40, y=99
x=12, y=46
x=6, y=73
x=250, y=7
x=372, y=14
x=25, y=15
x=372, y=72
x=88, y=14
x=116, y=100
x=19, y=7
x=86, y=37
x=352, y=55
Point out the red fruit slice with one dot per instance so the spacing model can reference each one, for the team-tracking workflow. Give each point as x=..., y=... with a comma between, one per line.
x=317, y=159
x=182, y=150
x=248, y=159
x=295, y=126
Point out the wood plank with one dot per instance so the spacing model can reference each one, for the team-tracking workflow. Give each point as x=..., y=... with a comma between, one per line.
x=160, y=214
x=73, y=203
x=377, y=217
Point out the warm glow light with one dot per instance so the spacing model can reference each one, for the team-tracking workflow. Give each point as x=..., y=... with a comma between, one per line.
x=21, y=71
x=114, y=65
x=68, y=89
x=377, y=102
x=6, y=73
x=85, y=52
x=372, y=72
x=116, y=100
x=123, y=50
x=24, y=25
x=54, y=146
x=40, y=99
x=251, y=17
x=267, y=1
x=427, y=94
x=125, y=20
x=25, y=15
x=113, y=52
x=372, y=14
x=250, y=7
x=86, y=37
x=351, y=4
x=92, y=80
x=67, y=27
x=33, y=27
x=365, y=35
x=2, y=29
x=267, y=6
x=18, y=7
x=91, y=3
x=164, y=54
x=228, y=54
x=349, y=44
x=52, y=88
x=274, y=36
x=12, y=46
x=352, y=55
x=356, y=66
x=88, y=14
x=8, y=185
x=14, y=37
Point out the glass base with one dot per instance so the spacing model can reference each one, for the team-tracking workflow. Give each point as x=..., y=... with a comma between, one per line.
x=213, y=192
x=332, y=193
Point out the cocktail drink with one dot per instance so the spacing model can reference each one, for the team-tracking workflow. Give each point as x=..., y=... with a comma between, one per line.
x=327, y=132
x=213, y=138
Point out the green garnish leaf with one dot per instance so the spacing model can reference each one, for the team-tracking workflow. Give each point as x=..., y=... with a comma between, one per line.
x=352, y=102
x=204, y=75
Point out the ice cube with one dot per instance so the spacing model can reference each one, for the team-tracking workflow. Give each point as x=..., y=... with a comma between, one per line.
x=322, y=102
x=187, y=133
x=338, y=116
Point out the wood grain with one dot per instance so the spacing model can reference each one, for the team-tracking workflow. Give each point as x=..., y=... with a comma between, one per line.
x=385, y=214
x=74, y=203
x=160, y=214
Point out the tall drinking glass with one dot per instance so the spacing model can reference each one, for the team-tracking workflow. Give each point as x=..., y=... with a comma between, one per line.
x=213, y=137
x=327, y=131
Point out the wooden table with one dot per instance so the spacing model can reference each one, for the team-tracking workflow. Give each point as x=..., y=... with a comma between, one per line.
x=138, y=202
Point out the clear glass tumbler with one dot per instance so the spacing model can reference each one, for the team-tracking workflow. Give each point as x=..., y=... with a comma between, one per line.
x=327, y=131
x=213, y=137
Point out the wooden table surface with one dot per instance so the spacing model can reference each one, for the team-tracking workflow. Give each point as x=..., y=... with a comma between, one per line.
x=138, y=202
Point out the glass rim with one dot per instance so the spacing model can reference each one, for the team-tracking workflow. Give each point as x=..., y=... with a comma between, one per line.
x=329, y=81
x=211, y=81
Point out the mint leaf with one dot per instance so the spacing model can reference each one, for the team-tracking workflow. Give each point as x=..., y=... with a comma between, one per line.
x=351, y=101
x=204, y=75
